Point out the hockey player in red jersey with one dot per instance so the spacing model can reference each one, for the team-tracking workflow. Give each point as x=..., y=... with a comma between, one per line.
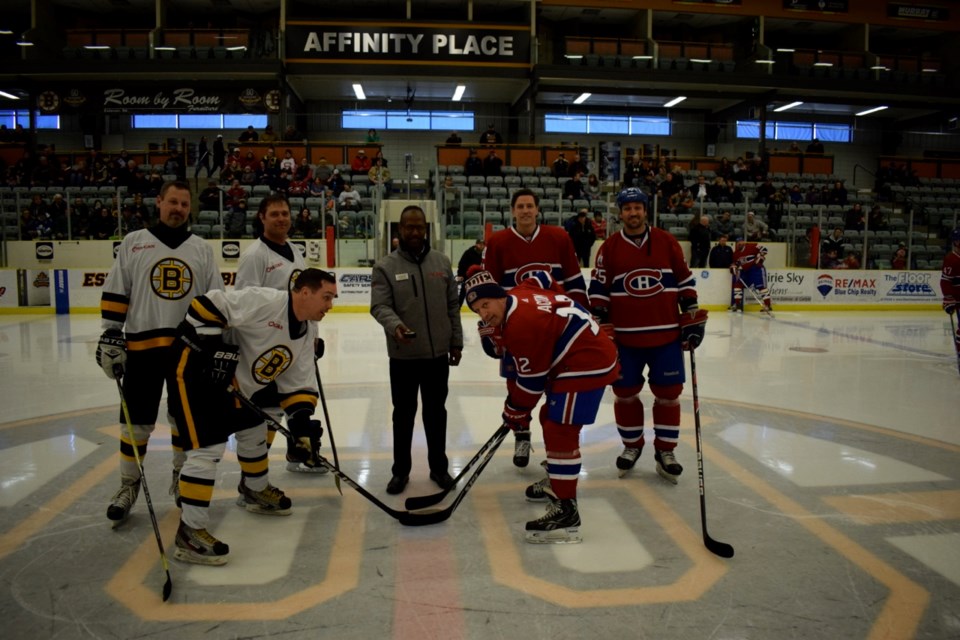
x=558, y=351
x=950, y=284
x=512, y=255
x=748, y=271
x=643, y=287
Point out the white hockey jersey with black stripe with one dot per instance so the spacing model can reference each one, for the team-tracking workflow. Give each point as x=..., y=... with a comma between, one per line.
x=261, y=266
x=150, y=286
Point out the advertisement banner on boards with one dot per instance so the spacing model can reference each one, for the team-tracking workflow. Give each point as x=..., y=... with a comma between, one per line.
x=180, y=97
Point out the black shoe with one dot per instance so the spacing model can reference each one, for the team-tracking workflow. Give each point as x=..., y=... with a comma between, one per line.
x=397, y=484
x=443, y=479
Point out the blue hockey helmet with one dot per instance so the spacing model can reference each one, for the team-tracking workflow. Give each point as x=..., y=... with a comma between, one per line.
x=955, y=236
x=632, y=194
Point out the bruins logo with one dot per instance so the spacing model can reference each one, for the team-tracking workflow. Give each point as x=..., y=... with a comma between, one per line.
x=270, y=364
x=293, y=278
x=171, y=278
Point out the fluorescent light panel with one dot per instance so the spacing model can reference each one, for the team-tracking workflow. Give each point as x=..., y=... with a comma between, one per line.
x=572, y=57
x=583, y=97
x=869, y=111
x=764, y=61
x=458, y=94
x=786, y=50
x=701, y=60
x=24, y=43
x=8, y=96
x=787, y=106
x=6, y=32
x=358, y=90
x=823, y=64
x=675, y=101
x=96, y=47
x=237, y=48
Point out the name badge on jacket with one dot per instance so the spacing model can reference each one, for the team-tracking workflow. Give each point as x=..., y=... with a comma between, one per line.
x=402, y=276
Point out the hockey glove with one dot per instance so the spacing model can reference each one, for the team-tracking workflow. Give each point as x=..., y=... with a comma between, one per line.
x=319, y=348
x=490, y=339
x=609, y=330
x=515, y=418
x=306, y=439
x=223, y=364
x=112, y=353
x=950, y=305
x=692, y=326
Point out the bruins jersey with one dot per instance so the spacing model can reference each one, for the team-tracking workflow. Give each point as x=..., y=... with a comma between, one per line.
x=150, y=286
x=262, y=265
x=275, y=347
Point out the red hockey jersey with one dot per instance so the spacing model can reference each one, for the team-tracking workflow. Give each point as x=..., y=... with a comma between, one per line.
x=554, y=342
x=748, y=255
x=640, y=286
x=950, y=277
x=510, y=258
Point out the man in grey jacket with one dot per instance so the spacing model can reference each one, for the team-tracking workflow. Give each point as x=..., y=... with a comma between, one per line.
x=414, y=298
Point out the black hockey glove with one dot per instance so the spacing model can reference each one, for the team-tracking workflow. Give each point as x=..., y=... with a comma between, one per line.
x=112, y=353
x=692, y=326
x=319, y=348
x=306, y=438
x=223, y=364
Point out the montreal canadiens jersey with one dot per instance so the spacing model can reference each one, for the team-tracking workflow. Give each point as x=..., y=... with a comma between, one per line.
x=510, y=258
x=749, y=255
x=641, y=285
x=950, y=276
x=274, y=346
x=262, y=266
x=150, y=285
x=554, y=341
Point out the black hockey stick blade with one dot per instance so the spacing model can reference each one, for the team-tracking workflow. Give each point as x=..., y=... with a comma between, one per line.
x=326, y=416
x=167, y=587
x=434, y=516
x=266, y=417
x=716, y=547
x=418, y=503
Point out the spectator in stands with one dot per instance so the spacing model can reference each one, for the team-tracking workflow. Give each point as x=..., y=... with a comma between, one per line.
x=292, y=134
x=723, y=225
x=725, y=170
x=379, y=156
x=699, y=237
x=829, y=259
x=336, y=183
x=833, y=243
x=592, y=188
x=721, y=255
x=130, y=221
x=304, y=226
x=37, y=206
x=474, y=165
x=765, y=191
x=815, y=146
x=796, y=195
x=492, y=164
x=877, y=221
x=29, y=225
x=754, y=228
x=235, y=193
x=700, y=189
x=268, y=135
x=583, y=236
x=79, y=219
x=852, y=261
x=573, y=188
x=561, y=166
x=682, y=201
x=775, y=209
x=154, y=183
x=454, y=140
x=599, y=225
x=732, y=193
x=329, y=201
x=360, y=163
x=899, y=258
x=219, y=153
x=249, y=176
x=379, y=176
x=667, y=188
x=203, y=158
x=209, y=198
x=297, y=187
x=103, y=225
x=349, y=198
x=288, y=162
x=249, y=135
x=317, y=187
x=491, y=136
x=231, y=172
x=838, y=195
x=323, y=170
x=577, y=165
x=235, y=220
x=372, y=136
x=794, y=147
x=853, y=219
x=140, y=209
x=271, y=163
x=812, y=196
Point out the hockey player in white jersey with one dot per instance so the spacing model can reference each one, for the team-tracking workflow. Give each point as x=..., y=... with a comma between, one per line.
x=156, y=274
x=273, y=354
x=272, y=261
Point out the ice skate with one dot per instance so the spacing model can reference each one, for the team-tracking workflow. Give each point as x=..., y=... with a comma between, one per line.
x=521, y=450
x=667, y=466
x=302, y=467
x=271, y=501
x=627, y=459
x=123, y=501
x=199, y=547
x=540, y=491
x=560, y=525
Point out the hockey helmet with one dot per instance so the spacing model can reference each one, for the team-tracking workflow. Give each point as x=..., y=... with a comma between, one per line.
x=632, y=194
x=955, y=236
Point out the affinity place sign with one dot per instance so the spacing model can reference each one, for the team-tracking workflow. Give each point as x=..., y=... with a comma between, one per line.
x=423, y=44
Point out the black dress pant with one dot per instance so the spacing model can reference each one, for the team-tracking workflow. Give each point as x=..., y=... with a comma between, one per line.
x=427, y=377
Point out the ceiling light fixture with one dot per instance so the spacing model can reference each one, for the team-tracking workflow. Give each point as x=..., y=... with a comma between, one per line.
x=764, y=62
x=823, y=64
x=702, y=60
x=869, y=111
x=642, y=58
x=24, y=43
x=237, y=48
x=9, y=96
x=787, y=106
x=583, y=97
x=785, y=50
x=879, y=67
x=163, y=48
x=6, y=32
x=675, y=101
x=96, y=47
x=570, y=56
x=458, y=94
x=358, y=90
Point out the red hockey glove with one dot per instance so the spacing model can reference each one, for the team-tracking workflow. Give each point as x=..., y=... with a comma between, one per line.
x=490, y=339
x=692, y=326
x=516, y=418
x=950, y=305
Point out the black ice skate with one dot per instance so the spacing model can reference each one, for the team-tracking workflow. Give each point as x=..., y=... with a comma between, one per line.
x=560, y=525
x=667, y=466
x=199, y=547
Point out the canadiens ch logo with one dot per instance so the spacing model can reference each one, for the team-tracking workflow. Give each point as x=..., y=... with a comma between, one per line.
x=528, y=270
x=171, y=278
x=270, y=364
x=643, y=283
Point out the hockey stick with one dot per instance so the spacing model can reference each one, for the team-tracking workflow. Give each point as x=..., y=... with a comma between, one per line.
x=168, y=585
x=433, y=517
x=326, y=416
x=422, y=502
x=763, y=307
x=263, y=415
x=716, y=547
x=953, y=328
